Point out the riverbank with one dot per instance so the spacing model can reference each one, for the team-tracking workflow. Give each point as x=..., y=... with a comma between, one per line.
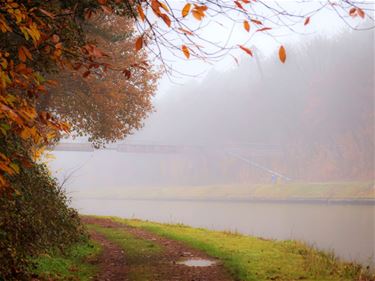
x=330, y=192
x=153, y=251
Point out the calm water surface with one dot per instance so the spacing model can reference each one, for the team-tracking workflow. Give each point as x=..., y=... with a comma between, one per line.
x=347, y=229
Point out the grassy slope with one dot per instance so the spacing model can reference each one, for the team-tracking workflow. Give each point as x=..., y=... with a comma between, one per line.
x=139, y=253
x=71, y=266
x=249, y=258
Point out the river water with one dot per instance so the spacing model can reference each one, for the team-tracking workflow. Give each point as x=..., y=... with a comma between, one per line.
x=347, y=229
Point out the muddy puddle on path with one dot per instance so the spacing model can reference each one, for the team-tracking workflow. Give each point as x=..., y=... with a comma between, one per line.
x=197, y=262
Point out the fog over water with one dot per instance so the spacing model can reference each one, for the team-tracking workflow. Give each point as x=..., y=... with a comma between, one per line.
x=261, y=122
x=311, y=119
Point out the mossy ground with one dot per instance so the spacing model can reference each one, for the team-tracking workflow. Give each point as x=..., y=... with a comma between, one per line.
x=140, y=253
x=72, y=265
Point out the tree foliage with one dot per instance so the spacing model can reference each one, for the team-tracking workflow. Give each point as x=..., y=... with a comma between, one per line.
x=49, y=39
x=41, y=39
x=106, y=105
x=159, y=22
x=34, y=220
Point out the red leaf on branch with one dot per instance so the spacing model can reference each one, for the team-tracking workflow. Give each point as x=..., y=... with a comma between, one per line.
x=247, y=50
x=239, y=5
x=264, y=29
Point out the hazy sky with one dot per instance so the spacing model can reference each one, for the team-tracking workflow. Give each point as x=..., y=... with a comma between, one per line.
x=214, y=112
x=326, y=23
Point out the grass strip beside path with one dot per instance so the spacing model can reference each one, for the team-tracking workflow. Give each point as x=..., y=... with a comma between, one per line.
x=250, y=258
x=73, y=265
x=140, y=253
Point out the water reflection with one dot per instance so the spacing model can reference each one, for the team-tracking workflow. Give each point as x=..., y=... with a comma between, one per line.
x=346, y=229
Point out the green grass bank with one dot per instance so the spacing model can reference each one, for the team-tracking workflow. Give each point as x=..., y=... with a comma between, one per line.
x=250, y=258
x=72, y=265
x=140, y=254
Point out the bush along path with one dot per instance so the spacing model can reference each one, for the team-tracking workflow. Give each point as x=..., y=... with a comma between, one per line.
x=134, y=254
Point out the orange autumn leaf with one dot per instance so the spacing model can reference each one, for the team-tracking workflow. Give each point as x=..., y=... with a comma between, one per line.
x=140, y=12
x=282, y=54
x=139, y=43
x=185, y=10
x=247, y=50
x=48, y=14
x=186, y=51
x=264, y=29
x=246, y=25
x=238, y=4
x=198, y=11
x=256, y=21
x=21, y=55
x=361, y=13
x=307, y=21
x=187, y=32
x=55, y=38
x=107, y=10
x=352, y=12
x=24, y=53
x=166, y=19
x=198, y=14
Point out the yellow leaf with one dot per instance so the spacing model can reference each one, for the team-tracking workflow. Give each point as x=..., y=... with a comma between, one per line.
x=15, y=167
x=282, y=54
x=186, y=9
x=25, y=134
x=186, y=51
x=164, y=6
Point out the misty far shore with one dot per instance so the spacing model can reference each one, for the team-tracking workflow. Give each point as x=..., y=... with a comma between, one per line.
x=361, y=192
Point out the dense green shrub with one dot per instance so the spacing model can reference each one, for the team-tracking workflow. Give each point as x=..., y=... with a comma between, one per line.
x=34, y=218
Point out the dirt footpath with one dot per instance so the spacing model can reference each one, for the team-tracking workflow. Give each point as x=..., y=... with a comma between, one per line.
x=113, y=264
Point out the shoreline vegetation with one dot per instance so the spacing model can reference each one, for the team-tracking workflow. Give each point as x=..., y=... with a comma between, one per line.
x=74, y=264
x=246, y=258
x=346, y=192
